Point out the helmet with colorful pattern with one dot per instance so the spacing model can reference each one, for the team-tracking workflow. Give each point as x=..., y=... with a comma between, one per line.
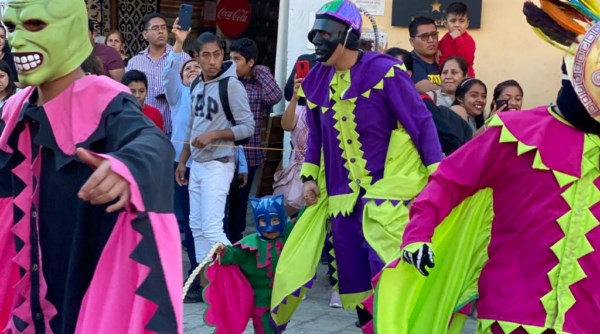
x=341, y=21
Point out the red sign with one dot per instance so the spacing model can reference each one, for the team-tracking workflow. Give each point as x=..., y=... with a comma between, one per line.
x=233, y=17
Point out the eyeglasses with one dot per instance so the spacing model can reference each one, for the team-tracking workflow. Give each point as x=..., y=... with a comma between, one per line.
x=157, y=28
x=425, y=37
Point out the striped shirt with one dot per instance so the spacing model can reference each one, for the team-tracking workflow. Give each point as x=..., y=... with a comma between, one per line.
x=153, y=70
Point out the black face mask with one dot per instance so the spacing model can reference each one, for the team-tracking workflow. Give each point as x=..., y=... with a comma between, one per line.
x=339, y=33
x=574, y=111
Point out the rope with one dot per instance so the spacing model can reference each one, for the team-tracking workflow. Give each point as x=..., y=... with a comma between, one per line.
x=208, y=259
x=243, y=146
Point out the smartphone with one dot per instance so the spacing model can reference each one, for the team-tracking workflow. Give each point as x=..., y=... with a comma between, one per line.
x=500, y=103
x=185, y=16
x=302, y=68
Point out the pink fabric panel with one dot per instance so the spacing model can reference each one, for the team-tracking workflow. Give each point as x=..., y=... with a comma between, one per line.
x=111, y=296
x=22, y=229
x=581, y=317
x=230, y=299
x=10, y=274
x=166, y=233
x=528, y=128
x=120, y=168
x=10, y=115
x=72, y=117
x=451, y=184
x=527, y=203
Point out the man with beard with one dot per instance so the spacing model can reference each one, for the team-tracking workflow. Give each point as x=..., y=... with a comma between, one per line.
x=152, y=62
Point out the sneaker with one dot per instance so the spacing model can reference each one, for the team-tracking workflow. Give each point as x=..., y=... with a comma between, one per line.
x=194, y=295
x=335, y=301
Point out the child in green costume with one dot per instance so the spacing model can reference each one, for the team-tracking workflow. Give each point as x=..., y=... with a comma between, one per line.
x=241, y=277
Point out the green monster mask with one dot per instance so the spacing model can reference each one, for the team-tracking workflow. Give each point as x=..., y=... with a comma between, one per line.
x=49, y=39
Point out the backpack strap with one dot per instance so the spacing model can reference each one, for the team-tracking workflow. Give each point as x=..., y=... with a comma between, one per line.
x=194, y=84
x=224, y=97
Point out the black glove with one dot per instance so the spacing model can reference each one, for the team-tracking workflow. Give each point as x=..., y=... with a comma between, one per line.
x=420, y=259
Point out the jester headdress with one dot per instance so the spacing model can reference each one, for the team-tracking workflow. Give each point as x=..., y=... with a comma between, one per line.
x=572, y=25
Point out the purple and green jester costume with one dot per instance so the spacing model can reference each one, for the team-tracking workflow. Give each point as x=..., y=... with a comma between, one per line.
x=374, y=138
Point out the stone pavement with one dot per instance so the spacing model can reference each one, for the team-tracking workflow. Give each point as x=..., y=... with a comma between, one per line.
x=314, y=316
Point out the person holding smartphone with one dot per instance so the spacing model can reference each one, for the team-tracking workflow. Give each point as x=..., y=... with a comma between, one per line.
x=508, y=95
x=152, y=62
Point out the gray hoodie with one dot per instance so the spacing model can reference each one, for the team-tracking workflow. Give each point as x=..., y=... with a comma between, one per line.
x=207, y=114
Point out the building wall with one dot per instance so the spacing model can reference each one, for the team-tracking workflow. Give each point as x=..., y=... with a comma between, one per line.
x=507, y=48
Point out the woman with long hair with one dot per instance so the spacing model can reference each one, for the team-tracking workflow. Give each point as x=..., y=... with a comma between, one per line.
x=509, y=91
x=470, y=101
x=7, y=84
x=116, y=40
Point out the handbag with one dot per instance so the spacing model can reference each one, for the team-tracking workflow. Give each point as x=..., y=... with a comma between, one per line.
x=287, y=183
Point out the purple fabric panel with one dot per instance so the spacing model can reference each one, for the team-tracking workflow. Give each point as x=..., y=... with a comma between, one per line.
x=336, y=174
x=314, y=144
x=354, y=258
x=408, y=107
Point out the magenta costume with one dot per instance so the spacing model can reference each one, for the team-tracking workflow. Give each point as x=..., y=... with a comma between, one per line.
x=67, y=266
x=542, y=271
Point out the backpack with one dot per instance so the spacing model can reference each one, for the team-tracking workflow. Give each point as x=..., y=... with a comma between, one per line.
x=224, y=97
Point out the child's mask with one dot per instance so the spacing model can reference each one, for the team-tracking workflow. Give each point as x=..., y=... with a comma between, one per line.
x=269, y=214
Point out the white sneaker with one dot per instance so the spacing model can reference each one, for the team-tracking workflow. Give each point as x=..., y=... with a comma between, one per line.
x=335, y=301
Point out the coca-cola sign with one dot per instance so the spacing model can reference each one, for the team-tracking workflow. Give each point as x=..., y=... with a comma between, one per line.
x=233, y=17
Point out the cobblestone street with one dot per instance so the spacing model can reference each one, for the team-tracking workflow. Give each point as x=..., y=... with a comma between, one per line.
x=314, y=316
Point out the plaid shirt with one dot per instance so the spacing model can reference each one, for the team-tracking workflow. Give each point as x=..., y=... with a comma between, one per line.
x=153, y=70
x=263, y=92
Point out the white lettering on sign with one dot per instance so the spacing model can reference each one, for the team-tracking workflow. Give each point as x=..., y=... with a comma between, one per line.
x=239, y=15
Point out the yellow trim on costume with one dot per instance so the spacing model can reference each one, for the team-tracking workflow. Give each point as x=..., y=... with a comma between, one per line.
x=349, y=143
x=580, y=194
x=411, y=248
x=301, y=92
x=342, y=204
x=400, y=67
x=433, y=167
x=309, y=170
x=484, y=326
x=351, y=300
